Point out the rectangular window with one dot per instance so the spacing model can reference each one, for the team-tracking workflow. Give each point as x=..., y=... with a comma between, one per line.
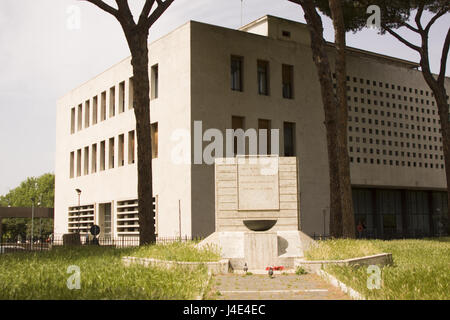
x=103, y=107
x=121, y=150
x=95, y=110
x=131, y=147
x=72, y=164
x=264, y=137
x=94, y=158
x=78, y=162
x=155, y=82
x=154, y=133
x=289, y=139
x=237, y=73
x=86, y=161
x=286, y=34
x=111, y=153
x=131, y=94
x=80, y=117
x=288, y=81
x=102, y=155
x=112, y=102
x=87, y=113
x=122, y=97
x=237, y=123
x=72, y=121
x=263, y=77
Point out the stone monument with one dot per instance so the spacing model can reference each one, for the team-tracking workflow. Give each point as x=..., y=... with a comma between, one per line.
x=257, y=212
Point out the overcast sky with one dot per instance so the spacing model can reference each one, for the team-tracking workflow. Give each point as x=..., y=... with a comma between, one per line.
x=41, y=59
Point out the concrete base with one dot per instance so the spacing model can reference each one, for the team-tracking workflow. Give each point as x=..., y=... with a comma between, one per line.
x=260, y=249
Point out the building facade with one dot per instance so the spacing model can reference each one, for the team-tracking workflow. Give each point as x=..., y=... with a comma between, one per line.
x=262, y=77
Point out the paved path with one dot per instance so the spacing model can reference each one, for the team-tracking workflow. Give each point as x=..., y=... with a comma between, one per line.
x=281, y=287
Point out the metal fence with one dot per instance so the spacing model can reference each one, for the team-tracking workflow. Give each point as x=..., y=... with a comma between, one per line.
x=390, y=235
x=13, y=245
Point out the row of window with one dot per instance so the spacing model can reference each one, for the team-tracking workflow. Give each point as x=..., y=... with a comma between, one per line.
x=395, y=153
x=405, y=116
x=85, y=161
x=382, y=103
x=405, y=212
x=394, y=124
x=386, y=85
x=108, y=103
x=238, y=122
x=400, y=134
x=95, y=110
x=401, y=144
x=397, y=163
x=91, y=159
x=262, y=77
x=388, y=95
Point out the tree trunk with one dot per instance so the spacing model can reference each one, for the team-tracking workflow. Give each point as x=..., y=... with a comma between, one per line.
x=440, y=96
x=320, y=58
x=137, y=41
x=348, y=218
x=437, y=86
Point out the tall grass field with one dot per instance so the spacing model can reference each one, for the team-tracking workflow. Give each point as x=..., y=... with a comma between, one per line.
x=421, y=269
x=45, y=275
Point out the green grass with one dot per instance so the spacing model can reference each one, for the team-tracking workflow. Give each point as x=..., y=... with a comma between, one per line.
x=300, y=271
x=342, y=249
x=421, y=268
x=178, y=251
x=43, y=275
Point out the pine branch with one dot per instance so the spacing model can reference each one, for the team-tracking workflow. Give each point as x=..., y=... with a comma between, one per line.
x=434, y=19
x=444, y=58
x=401, y=39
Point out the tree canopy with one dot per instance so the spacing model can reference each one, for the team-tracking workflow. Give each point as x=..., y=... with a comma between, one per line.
x=394, y=13
x=42, y=189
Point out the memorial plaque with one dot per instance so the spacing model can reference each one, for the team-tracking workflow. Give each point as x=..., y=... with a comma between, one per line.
x=258, y=185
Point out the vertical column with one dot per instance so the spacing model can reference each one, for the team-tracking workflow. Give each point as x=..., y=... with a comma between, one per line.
x=404, y=214
x=126, y=95
x=376, y=220
x=430, y=212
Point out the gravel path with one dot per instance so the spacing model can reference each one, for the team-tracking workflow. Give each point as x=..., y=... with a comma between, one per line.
x=280, y=287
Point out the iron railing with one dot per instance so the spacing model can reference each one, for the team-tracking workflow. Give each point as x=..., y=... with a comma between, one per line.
x=14, y=245
x=386, y=235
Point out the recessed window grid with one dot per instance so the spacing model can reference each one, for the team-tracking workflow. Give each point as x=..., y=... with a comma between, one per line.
x=406, y=125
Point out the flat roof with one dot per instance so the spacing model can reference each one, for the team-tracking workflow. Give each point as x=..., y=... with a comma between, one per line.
x=407, y=63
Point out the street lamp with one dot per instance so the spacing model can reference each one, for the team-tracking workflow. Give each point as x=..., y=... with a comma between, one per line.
x=33, y=199
x=40, y=219
x=79, y=195
x=32, y=220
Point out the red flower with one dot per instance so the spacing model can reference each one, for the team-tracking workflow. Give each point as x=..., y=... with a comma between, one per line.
x=277, y=268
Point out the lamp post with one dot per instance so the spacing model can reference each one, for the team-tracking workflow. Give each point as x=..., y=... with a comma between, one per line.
x=33, y=199
x=32, y=221
x=79, y=195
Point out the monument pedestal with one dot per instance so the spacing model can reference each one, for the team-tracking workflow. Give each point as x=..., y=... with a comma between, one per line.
x=260, y=249
x=257, y=212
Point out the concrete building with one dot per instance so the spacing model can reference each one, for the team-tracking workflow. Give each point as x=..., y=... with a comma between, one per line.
x=261, y=76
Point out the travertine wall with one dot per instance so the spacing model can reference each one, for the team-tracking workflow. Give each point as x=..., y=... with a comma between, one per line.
x=229, y=213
